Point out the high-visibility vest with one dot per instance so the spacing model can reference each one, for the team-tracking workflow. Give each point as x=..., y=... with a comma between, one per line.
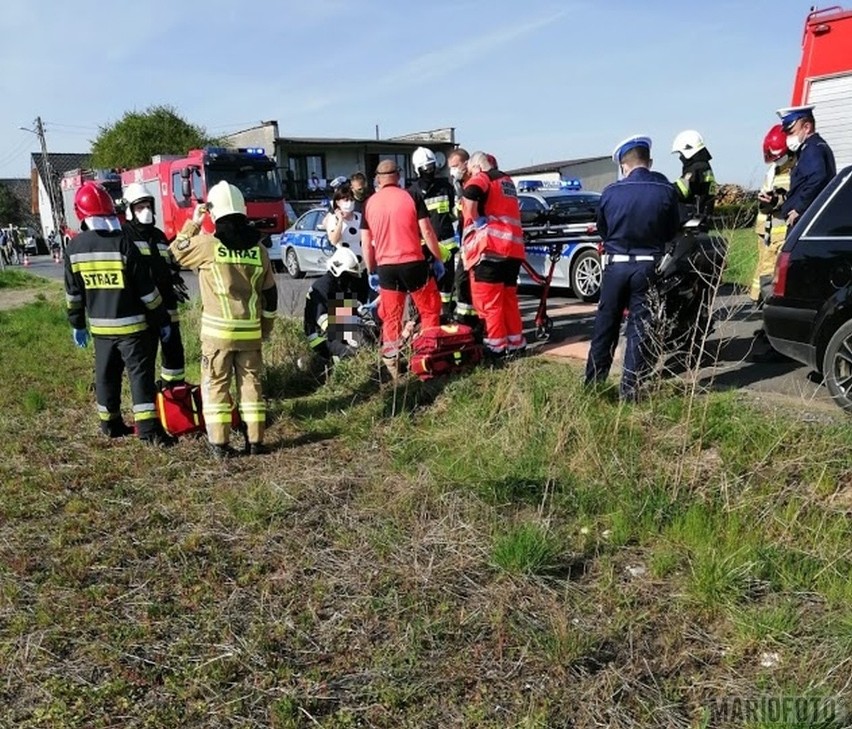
x=502, y=236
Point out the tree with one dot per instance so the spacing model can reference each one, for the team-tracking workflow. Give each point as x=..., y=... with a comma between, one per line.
x=10, y=208
x=137, y=136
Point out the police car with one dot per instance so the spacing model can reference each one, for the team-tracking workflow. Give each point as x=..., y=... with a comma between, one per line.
x=562, y=213
x=304, y=246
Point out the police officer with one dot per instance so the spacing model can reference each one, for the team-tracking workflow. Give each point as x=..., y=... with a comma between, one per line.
x=152, y=244
x=696, y=186
x=637, y=216
x=439, y=196
x=239, y=300
x=814, y=167
x=106, y=279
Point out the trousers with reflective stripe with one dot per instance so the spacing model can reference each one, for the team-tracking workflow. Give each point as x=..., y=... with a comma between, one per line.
x=219, y=368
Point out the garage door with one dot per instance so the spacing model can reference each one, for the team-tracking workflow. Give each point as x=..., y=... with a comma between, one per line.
x=833, y=100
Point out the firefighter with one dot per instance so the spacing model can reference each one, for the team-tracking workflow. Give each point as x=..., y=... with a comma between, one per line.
x=464, y=310
x=814, y=166
x=152, y=244
x=492, y=251
x=331, y=299
x=394, y=223
x=696, y=186
x=239, y=300
x=106, y=279
x=637, y=217
x=439, y=196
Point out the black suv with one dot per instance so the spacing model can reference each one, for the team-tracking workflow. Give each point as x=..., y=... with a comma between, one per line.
x=809, y=315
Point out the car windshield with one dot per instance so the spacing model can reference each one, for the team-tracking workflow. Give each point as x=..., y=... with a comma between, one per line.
x=254, y=182
x=575, y=201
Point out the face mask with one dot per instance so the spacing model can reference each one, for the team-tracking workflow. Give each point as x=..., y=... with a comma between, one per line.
x=145, y=216
x=347, y=206
x=793, y=142
x=457, y=173
x=359, y=194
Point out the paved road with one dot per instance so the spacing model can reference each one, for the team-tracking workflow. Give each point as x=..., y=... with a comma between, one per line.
x=787, y=385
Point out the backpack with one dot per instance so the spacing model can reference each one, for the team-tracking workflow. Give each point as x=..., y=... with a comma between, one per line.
x=444, y=350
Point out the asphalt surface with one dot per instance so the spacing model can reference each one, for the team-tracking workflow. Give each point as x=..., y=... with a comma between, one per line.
x=786, y=385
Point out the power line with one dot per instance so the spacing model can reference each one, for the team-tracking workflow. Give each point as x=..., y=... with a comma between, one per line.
x=14, y=154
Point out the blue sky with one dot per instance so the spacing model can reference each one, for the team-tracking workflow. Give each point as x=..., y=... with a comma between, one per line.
x=531, y=82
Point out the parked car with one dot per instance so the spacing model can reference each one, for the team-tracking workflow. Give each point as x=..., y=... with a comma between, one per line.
x=809, y=316
x=570, y=217
x=304, y=245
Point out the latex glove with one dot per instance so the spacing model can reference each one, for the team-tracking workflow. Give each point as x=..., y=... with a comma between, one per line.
x=165, y=333
x=438, y=269
x=199, y=213
x=81, y=338
x=480, y=222
x=373, y=280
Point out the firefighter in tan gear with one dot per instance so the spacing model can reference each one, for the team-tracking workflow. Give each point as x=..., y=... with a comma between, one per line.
x=239, y=300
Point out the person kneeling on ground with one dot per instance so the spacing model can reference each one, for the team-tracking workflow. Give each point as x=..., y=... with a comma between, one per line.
x=330, y=306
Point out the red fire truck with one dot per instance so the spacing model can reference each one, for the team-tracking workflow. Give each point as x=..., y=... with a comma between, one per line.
x=71, y=182
x=824, y=77
x=178, y=183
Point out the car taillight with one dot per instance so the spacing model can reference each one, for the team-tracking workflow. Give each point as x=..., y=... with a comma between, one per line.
x=780, y=280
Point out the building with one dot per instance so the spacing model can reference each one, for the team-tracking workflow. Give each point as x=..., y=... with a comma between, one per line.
x=595, y=173
x=308, y=164
x=46, y=195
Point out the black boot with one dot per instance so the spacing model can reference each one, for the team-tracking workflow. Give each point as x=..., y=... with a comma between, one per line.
x=116, y=428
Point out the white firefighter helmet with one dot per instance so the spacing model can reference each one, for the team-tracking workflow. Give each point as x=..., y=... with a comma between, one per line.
x=225, y=199
x=135, y=193
x=344, y=260
x=422, y=157
x=687, y=143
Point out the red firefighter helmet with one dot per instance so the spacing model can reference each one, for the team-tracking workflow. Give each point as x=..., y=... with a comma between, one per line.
x=92, y=200
x=774, y=144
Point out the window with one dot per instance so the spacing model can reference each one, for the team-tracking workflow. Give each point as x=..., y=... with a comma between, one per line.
x=177, y=190
x=835, y=219
x=529, y=204
x=308, y=221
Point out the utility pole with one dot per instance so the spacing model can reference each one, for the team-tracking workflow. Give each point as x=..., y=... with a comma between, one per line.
x=48, y=173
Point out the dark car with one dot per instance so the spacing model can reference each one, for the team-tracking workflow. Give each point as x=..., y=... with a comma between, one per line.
x=569, y=216
x=809, y=316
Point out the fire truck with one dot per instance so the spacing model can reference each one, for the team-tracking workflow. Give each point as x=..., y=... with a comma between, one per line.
x=71, y=182
x=178, y=183
x=824, y=77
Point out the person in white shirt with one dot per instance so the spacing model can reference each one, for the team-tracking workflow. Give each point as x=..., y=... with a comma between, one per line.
x=343, y=228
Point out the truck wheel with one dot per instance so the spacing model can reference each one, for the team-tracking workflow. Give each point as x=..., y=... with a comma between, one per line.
x=291, y=262
x=586, y=275
x=837, y=366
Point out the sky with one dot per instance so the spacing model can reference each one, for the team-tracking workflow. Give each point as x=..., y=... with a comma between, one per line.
x=531, y=82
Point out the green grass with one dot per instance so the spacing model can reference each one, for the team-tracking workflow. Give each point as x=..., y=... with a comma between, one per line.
x=500, y=550
x=742, y=256
x=14, y=278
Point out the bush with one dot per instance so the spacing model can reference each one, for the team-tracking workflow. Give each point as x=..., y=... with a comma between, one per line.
x=736, y=215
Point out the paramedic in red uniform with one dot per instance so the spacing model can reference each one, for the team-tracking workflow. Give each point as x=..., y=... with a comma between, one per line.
x=393, y=224
x=492, y=250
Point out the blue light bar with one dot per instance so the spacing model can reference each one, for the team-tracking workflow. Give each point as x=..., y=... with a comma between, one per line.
x=260, y=151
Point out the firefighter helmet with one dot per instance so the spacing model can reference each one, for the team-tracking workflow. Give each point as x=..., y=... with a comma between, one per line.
x=135, y=193
x=688, y=143
x=422, y=158
x=225, y=199
x=774, y=144
x=92, y=200
x=343, y=261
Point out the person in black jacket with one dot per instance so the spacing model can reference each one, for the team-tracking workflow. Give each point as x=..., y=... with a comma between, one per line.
x=141, y=229
x=107, y=282
x=696, y=187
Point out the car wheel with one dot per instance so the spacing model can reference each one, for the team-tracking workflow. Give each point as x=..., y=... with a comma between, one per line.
x=291, y=262
x=837, y=366
x=278, y=266
x=586, y=272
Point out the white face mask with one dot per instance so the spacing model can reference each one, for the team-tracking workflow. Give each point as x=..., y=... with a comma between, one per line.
x=144, y=215
x=346, y=206
x=456, y=173
x=793, y=142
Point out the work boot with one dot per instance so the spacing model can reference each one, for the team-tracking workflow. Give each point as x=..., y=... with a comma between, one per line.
x=221, y=452
x=256, y=449
x=117, y=428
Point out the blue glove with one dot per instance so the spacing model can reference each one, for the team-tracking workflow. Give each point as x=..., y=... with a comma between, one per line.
x=81, y=337
x=480, y=222
x=165, y=333
x=438, y=269
x=373, y=280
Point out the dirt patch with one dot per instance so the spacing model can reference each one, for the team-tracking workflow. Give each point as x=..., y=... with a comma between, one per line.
x=13, y=298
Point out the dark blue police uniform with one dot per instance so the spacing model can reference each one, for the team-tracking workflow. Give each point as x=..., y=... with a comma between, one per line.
x=636, y=218
x=814, y=169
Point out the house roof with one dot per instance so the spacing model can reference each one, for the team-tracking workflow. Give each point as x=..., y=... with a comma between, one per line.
x=330, y=141
x=61, y=162
x=554, y=166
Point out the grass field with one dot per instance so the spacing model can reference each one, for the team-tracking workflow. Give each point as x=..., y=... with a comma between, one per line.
x=502, y=550
x=742, y=256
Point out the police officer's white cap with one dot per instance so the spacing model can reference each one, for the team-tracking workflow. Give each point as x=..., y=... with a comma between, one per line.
x=791, y=114
x=623, y=147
